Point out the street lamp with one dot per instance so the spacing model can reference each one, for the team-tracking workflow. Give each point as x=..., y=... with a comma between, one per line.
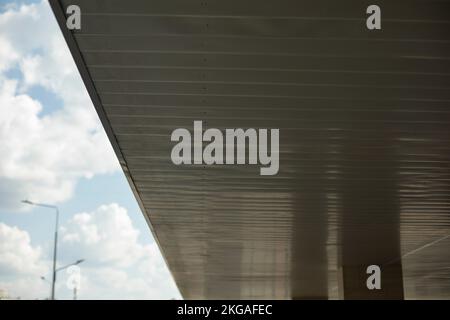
x=75, y=284
x=65, y=267
x=55, y=241
x=70, y=264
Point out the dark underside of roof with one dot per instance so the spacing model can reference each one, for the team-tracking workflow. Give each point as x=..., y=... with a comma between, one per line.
x=364, y=119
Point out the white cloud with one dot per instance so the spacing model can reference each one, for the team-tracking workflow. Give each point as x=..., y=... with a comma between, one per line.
x=26, y=288
x=114, y=283
x=106, y=235
x=117, y=264
x=7, y=55
x=124, y=268
x=17, y=255
x=21, y=264
x=44, y=156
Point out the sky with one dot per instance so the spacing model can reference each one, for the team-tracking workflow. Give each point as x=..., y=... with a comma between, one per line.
x=54, y=150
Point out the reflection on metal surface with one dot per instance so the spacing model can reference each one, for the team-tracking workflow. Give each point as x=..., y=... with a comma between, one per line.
x=364, y=119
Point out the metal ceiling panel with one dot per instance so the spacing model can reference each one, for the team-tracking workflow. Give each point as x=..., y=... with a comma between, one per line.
x=364, y=119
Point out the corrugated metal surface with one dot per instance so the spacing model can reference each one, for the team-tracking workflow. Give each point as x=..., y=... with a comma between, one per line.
x=364, y=136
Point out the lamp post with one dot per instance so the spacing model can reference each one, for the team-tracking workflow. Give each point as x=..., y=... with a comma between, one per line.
x=70, y=264
x=65, y=267
x=55, y=245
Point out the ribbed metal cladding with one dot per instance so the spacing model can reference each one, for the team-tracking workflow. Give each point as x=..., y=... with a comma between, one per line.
x=364, y=119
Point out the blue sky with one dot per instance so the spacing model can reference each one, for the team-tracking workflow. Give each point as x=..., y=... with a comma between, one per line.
x=54, y=150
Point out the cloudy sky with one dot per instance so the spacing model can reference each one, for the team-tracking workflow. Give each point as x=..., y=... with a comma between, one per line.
x=53, y=149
